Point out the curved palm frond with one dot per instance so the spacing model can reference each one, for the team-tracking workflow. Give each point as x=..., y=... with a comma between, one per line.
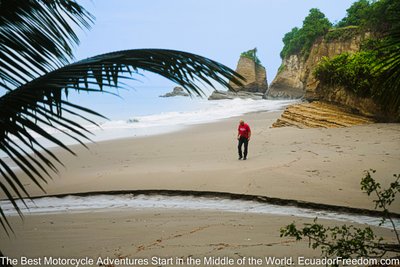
x=388, y=68
x=31, y=108
x=37, y=36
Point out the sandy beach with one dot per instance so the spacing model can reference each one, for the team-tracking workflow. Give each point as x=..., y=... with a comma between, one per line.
x=314, y=165
x=140, y=234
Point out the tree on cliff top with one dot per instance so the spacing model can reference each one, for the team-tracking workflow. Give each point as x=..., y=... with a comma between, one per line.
x=375, y=16
x=299, y=41
x=357, y=14
x=252, y=54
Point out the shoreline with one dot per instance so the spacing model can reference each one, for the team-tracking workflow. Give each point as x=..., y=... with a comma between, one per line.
x=153, y=130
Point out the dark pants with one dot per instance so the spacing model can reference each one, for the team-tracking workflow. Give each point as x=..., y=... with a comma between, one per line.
x=245, y=141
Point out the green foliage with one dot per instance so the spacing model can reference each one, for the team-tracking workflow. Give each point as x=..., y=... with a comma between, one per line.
x=385, y=197
x=299, y=41
x=384, y=16
x=338, y=241
x=388, y=67
x=370, y=44
x=375, y=16
x=251, y=54
x=354, y=72
x=378, y=17
x=348, y=241
x=342, y=34
x=357, y=14
x=291, y=45
x=372, y=72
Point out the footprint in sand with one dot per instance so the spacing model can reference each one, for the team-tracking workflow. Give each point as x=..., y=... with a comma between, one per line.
x=313, y=172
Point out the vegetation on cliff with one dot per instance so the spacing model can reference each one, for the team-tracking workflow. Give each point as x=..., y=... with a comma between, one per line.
x=375, y=16
x=364, y=15
x=252, y=54
x=299, y=41
x=374, y=71
x=353, y=71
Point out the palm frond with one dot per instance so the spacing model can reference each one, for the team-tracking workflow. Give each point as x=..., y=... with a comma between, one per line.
x=38, y=105
x=388, y=68
x=37, y=36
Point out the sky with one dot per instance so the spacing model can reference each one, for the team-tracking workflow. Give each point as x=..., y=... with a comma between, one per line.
x=218, y=29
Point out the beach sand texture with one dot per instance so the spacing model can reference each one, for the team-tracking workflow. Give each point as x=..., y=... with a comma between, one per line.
x=315, y=165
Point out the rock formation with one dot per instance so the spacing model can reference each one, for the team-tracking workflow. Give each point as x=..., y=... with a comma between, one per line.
x=319, y=115
x=255, y=75
x=288, y=83
x=255, y=84
x=218, y=95
x=177, y=91
x=295, y=77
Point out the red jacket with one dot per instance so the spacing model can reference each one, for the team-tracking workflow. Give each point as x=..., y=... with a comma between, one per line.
x=244, y=130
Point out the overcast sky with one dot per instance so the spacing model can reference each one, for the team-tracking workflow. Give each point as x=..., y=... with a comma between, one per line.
x=218, y=29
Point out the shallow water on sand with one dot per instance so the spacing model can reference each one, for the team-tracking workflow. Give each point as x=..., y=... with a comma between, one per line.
x=76, y=204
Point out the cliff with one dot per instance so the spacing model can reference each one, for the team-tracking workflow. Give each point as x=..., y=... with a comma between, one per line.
x=295, y=77
x=255, y=75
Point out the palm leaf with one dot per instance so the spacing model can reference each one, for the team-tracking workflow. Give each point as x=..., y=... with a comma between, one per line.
x=37, y=36
x=31, y=108
x=388, y=68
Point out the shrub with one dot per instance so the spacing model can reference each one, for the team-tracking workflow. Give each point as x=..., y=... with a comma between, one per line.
x=355, y=72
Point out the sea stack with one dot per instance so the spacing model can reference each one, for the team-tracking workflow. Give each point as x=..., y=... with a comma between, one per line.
x=249, y=66
x=255, y=84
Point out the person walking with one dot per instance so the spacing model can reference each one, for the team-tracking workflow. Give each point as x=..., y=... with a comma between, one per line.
x=244, y=134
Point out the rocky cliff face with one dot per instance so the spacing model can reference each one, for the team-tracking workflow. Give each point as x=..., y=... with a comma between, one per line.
x=289, y=82
x=255, y=75
x=296, y=80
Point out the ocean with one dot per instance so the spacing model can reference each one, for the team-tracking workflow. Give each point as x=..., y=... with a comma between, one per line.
x=142, y=112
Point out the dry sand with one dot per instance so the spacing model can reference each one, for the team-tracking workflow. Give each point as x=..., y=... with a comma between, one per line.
x=316, y=165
